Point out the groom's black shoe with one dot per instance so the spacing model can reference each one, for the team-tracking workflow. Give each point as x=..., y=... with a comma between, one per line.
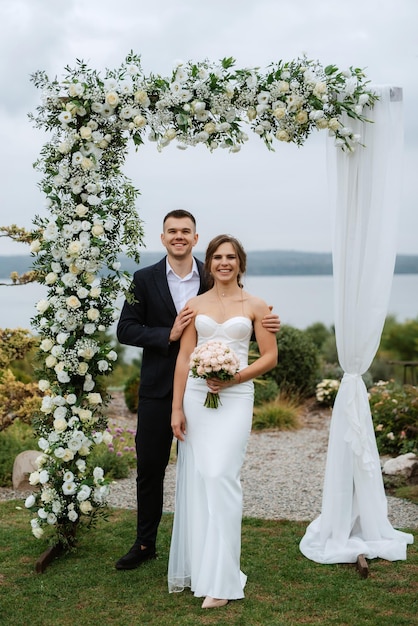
x=135, y=557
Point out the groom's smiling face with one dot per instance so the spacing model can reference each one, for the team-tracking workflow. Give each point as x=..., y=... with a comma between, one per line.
x=179, y=237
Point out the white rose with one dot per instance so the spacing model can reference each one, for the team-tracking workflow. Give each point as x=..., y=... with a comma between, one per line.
x=98, y=474
x=81, y=210
x=51, y=519
x=59, y=452
x=73, y=302
x=107, y=437
x=30, y=501
x=140, y=121
x=46, y=345
x=112, y=355
x=51, y=278
x=37, y=531
x=112, y=99
x=301, y=117
x=88, y=383
x=82, y=368
x=85, y=507
x=65, y=117
x=319, y=89
x=60, y=424
x=83, y=493
x=82, y=293
x=72, y=515
x=282, y=135
x=85, y=415
x=141, y=97
x=42, y=306
x=50, y=361
x=85, y=132
x=334, y=124
x=87, y=163
x=76, y=89
x=97, y=230
x=62, y=338
x=95, y=292
x=35, y=246
x=43, y=477
x=102, y=366
x=68, y=455
x=93, y=314
x=69, y=488
x=94, y=398
x=60, y=412
x=81, y=464
x=97, y=438
x=34, y=478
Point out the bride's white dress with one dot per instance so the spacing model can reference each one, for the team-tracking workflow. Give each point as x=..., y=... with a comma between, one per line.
x=206, y=540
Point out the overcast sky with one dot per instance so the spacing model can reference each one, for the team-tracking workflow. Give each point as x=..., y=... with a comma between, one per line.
x=269, y=200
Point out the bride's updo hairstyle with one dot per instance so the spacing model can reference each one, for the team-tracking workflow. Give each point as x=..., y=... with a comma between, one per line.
x=211, y=250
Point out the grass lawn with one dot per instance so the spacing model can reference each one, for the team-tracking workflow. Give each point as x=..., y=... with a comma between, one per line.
x=283, y=588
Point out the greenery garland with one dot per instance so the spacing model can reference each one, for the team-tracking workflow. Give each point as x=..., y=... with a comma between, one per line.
x=93, y=216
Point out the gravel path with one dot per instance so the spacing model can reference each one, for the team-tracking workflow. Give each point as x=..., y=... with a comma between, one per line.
x=282, y=476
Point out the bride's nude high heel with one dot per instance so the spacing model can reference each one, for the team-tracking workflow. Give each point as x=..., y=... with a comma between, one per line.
x=213, y=603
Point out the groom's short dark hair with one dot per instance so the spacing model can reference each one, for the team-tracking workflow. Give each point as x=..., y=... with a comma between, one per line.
x=178, y=214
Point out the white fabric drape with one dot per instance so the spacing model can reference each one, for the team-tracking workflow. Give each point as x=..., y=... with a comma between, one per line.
x=353, y=519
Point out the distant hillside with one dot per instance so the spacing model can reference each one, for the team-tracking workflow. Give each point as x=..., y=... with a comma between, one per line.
x=259, y=263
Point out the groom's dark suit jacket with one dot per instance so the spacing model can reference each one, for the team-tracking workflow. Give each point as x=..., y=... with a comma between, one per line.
x=147, y=324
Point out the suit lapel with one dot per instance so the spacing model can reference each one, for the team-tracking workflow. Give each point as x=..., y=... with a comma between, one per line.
x=161, y=283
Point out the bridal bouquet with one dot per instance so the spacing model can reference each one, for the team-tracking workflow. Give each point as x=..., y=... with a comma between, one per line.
x=213, y=359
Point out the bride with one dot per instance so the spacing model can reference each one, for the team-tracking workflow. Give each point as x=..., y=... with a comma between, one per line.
x=206, y=541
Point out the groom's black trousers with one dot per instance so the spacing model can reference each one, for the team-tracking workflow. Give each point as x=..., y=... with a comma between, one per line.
x=154, y=438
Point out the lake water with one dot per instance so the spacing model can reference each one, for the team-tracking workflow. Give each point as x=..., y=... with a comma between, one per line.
x=299, y=300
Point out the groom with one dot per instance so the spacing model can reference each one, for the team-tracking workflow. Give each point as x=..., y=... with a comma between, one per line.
x=155, y=320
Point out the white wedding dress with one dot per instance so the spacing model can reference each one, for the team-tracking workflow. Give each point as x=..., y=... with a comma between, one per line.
x=206, y=540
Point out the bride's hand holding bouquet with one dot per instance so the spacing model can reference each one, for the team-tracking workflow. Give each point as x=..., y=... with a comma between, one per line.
x=214, y=360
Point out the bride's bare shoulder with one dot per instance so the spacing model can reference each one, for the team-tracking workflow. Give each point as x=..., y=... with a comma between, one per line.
x=257, y=305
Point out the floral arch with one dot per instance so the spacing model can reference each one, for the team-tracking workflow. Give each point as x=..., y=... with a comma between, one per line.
x=92, y=217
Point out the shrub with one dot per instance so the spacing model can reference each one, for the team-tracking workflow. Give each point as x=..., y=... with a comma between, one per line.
x=265, y=390
x=394, y=410
x=297, y=371
x=282, y=413
x=130, y=391
x=319, y=334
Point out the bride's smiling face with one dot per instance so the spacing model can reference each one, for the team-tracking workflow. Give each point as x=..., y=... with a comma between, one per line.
x=224, y=265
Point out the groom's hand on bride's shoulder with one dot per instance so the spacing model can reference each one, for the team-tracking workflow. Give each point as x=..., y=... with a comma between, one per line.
x=271, y=321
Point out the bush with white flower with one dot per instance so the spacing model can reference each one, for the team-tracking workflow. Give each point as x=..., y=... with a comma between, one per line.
x=92, y=217
x=326, y=391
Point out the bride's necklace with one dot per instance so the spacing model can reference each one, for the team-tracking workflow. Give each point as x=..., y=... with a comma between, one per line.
x=224, y=299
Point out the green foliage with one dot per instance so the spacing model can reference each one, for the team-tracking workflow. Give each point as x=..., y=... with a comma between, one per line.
x=282, y=414
x=297, y=371
x=400, y=341
x=119, y=457
x=121, y=372
x=265, y=390
x=394, y=409
x=15, y=439
x=319, y=334
x=131, y=392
